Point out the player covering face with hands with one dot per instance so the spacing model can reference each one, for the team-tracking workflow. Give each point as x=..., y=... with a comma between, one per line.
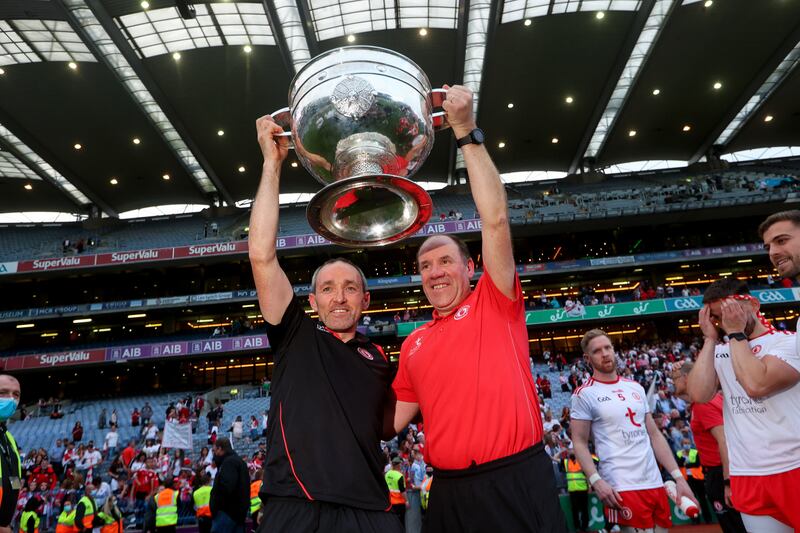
x=614, y=411
x=758, y=369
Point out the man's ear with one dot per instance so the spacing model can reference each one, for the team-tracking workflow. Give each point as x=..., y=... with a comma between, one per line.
x=365, y=300
x=312, y=299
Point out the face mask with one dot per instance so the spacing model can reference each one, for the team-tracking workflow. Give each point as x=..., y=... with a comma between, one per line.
x=67, y=508
x=94, y=492
x=7, y=408
x=686, y=446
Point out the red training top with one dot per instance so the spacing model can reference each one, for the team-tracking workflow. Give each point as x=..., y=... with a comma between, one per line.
x=470, y=373
x=704, y=417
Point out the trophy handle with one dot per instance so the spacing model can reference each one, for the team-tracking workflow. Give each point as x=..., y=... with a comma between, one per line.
x=439, y=117
x=283, y=118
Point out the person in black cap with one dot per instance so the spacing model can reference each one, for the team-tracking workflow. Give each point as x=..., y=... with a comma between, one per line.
x=330, y=384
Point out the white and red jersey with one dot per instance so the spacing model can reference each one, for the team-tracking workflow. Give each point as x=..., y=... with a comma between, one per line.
x=763, y=434
x=617, y=412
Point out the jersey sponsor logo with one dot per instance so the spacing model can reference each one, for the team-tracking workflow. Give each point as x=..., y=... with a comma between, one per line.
x=631, y=414
x=461, y=313
x=742, y=405
x=365, y=354
x=756, y=349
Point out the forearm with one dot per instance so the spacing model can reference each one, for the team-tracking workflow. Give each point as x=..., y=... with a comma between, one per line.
x=264, y=215
x=584, y=457
x=702, y=380
x=488, y=191
x=751, y=372
x=662, y=451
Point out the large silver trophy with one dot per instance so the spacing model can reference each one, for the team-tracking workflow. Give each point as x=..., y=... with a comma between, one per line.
x=362, y=121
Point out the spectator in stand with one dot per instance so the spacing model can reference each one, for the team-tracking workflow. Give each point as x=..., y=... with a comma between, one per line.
x=237, y=428
x=128, y=454
x=547, y=392
x=110, y=441
x=562, y=379
x=230, y=495
x=101, y=419
x=253, y=428
x=117, y=475
x=147, y=413
x=150, y=431
x=135, y=417
x=43, y=475
x=114, y=418
x=199, y=402
x=56, y=455
x=77, y=431
x=145, y=481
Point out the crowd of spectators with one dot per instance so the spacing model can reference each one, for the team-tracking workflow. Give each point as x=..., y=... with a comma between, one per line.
x=129, y=474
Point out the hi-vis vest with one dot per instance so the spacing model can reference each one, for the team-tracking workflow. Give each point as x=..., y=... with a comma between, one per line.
x=576, y=479
x=202, y=497
x=19, y=463
x=167, y=508
x=88, y=511
x=425, y=491
x=23, y=521
x=393, y=478
x=696, y=471
x=109, y=524
x=66, y=522
x=255, y=500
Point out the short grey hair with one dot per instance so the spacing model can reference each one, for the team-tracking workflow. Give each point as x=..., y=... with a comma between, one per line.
x=338, y=260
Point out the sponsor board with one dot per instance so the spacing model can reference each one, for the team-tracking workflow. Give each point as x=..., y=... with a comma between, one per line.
x=135, y=256
x=54, y=359
x=8, y=268
x=217, y=248
x=56, y=263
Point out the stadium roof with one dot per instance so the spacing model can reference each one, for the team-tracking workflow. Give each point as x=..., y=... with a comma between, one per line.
x=123, y=104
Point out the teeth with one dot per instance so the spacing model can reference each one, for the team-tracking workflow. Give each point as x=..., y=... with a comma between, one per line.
x=441, y=285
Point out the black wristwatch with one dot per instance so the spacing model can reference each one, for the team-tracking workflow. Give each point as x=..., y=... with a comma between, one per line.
x=737, y=336
x=474, y=137
x=726, y=482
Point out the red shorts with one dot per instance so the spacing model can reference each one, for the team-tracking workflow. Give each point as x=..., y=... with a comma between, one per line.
x=642, y=509
x=774, y=495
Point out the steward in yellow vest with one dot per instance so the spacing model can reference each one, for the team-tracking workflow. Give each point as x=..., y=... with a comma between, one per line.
x=202, y=508
x=10, y=464
x=66, y=520
x=85, y=511
x=29, y=521
x=397, y=489
x=166, y=508
x=255, y=499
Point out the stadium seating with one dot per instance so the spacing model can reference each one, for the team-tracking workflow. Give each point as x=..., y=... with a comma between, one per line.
x=529, y=203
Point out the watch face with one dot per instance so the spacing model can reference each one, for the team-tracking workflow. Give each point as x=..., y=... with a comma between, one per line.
x=477, y=135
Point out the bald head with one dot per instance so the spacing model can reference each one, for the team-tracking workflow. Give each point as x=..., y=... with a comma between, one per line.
x=9, y=387
x=443, y=240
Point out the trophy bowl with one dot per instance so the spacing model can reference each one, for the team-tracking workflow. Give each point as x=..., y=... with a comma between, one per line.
x=362, y=120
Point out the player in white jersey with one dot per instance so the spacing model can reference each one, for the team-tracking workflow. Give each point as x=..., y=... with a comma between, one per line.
x=759, y=371
x=615, y=412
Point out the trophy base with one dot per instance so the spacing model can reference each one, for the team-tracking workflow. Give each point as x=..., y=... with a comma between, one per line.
x=369, y=210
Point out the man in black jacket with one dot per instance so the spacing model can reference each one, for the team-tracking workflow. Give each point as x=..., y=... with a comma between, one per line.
x=230, y=496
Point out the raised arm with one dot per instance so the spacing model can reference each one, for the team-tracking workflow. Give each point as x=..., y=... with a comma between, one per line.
x=488, y=193
x=272, y=285
x=702, y=382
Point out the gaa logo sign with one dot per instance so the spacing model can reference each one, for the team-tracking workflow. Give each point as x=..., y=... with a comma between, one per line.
x=686, y=303
x=770, y=296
